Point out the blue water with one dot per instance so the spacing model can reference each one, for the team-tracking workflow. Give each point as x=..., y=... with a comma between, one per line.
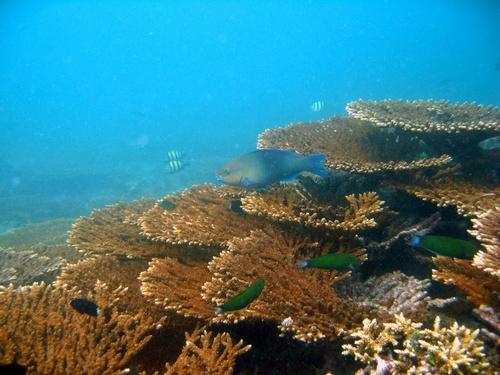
x=93, y=94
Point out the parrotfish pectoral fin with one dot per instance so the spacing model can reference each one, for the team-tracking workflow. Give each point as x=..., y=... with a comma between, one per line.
x=246, y=182
x=318, y=165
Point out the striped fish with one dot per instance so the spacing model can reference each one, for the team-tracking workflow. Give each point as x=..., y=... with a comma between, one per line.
x=175, y=166
x=174, y=155
x=317, y=106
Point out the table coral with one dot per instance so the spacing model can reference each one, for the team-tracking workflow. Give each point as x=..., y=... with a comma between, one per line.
x=42, y=332
x=115, y=230
x=202, y=217
x=293, y=204
x=352, y=145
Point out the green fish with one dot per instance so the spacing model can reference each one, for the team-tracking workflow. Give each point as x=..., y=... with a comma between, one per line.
x=264, y=167
x=243, y=299
x=447, y=246
x=332, y=261
x=167, y=205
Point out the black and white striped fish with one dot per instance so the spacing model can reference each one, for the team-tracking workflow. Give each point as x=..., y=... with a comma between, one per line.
x=175, y=165
x=174, y=155
x=317, y=106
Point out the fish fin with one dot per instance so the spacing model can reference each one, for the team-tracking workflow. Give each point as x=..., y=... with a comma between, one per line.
x=302, y=263
x=317, y=164
x=246, y=182
x=415, y=240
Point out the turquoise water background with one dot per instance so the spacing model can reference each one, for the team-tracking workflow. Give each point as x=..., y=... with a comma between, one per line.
x=94, y=93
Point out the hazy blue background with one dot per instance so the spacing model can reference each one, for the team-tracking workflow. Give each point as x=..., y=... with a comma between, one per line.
x=93, y=93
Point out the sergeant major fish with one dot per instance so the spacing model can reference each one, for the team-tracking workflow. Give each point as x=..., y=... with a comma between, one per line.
x=264, y=167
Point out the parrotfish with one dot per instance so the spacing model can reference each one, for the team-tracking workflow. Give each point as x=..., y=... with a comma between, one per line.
x=264, y=167
x=333, y=261
x=84, y=306
x=447, y=246
x=490, y=144
x=243, y=299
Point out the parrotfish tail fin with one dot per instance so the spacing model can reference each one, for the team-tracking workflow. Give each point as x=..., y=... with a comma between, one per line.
x=317, y=165
x=415, y=240
x=302, y=263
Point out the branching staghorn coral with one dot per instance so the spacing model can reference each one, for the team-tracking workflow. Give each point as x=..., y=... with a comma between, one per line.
x=301, y=301
x=469, y=198
x=42, y=332
x=177, y=286
x=205, y=353
x=115, y=230
x=394, y=293
x=352, y=145
x=487, y=230
x=480, y=286
x=292, y=204
x=427, y=115
x=403, y=347
x=202, y=217
x=24, y=266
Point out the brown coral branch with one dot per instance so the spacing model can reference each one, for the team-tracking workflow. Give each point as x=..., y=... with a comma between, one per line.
x=202, y=217
x=487, y=230
x=205, y=353
x=42, y=332
x=480, y=286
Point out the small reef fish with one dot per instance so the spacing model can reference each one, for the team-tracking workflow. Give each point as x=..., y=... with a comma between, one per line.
x=174, y=155
x=84, y=306
x=243, y=299
x=174, y=166
x=446, y=246
x=317, y=106
x=490, y=144
x=264, y=167
x=167, y=205
x=334, y=261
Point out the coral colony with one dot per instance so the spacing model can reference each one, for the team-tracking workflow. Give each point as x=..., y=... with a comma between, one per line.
x=223, y=263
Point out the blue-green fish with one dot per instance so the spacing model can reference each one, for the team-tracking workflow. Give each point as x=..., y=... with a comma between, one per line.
x=490, y=144
x=446, y=246
x=264, y=167
x=332, y=261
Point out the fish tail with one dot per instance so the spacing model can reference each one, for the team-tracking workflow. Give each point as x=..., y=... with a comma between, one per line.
x=317, y=164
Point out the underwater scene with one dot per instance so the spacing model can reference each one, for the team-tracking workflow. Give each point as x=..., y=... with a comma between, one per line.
x=250, y=187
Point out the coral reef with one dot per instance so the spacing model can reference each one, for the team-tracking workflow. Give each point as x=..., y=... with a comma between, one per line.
x=205, y=353
x=480, y=286
x=403, y=347
x=202, y=217
x=469, y=198
x=487, y=230
x=43, y=333
x=115, y=230
x=427, y=115
x=293, y=204
x=24, y=266
x=352, y=145
x=394, y=292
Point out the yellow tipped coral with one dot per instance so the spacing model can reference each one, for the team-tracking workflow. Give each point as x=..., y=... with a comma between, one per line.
x=403, y=347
